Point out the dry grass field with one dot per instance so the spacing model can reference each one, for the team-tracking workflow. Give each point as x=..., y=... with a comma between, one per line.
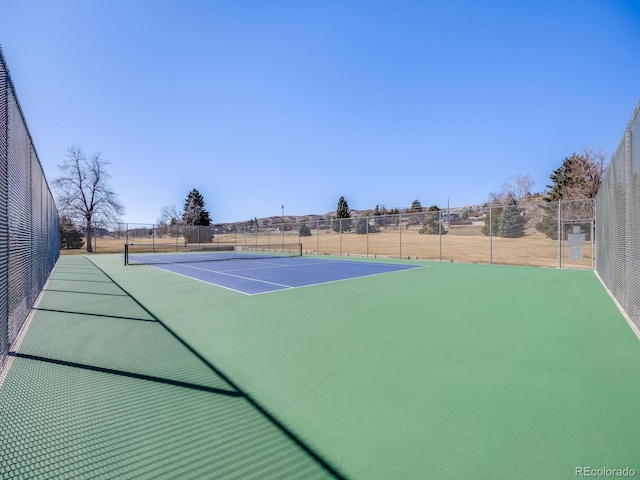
x=464, y=244
x=530, y=250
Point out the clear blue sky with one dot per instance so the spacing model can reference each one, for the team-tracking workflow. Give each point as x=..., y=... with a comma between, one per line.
x=260, y=104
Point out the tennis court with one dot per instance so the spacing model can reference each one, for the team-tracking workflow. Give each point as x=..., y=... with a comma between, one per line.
x=274, y=365
x=444, y=371
x=262, y=273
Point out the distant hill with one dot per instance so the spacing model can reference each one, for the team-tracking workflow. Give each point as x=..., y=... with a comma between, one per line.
x=277, y=219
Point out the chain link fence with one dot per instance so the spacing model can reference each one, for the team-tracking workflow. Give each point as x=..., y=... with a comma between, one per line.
x=29, y=224
x=618, y=220
x=523, y=234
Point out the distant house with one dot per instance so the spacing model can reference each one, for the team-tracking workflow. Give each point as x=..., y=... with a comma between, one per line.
x=450, y=217
x=477, y=216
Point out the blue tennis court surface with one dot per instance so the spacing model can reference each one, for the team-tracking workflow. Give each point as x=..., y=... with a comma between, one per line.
x=253, y=277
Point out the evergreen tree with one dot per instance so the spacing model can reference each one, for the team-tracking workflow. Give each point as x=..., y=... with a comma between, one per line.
x=562, y=180
x=494, y=217
x=194, y=211
x=512, y=222
x=548, y=224
x=363, y=226
x=415, y=207
x=379, y=213
x=431, y=224
x=304, y=230
x=70, y=236
x=343, y=210
x=414, y=218
x=341, y=222
x=196, y=215
x=579, y=177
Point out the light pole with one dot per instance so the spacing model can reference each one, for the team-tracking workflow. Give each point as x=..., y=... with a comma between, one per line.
x=283, y=226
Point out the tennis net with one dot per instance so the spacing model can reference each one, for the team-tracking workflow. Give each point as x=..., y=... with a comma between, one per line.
x=158, y=254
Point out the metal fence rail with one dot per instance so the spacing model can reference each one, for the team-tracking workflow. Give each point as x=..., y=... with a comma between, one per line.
x=29, y=224
x=618, y=221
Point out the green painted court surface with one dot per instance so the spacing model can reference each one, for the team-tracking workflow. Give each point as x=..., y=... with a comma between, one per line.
x=448, y=371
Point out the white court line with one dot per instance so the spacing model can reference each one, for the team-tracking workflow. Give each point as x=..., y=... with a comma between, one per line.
x=633, y=326
x=267, y=268
x=343, y=279
x=284, y=287
x=236, y=276
x=202, y=281
x=271, y=265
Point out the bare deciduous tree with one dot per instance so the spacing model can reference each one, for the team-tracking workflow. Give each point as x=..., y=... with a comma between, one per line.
x=516, y=189
x=169, y=218
x=83, y=193
x=169, y=215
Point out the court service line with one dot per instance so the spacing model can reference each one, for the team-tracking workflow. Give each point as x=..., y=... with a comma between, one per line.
x=269, y=265
x=200, y=280
x=210, y=283
x=237, y=276
x=307, y=265
x=392, y=266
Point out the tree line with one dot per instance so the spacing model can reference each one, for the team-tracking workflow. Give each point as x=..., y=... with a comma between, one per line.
x=578, y=178
x=84, y=196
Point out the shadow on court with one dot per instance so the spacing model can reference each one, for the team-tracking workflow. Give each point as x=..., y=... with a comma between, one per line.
x=92, y=392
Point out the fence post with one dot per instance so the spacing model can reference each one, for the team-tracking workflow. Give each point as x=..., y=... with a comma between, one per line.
x=400, y=229
x=440, y=233
x=593, y=244
x=560, y=233
x=630, y=245
x=490, y=236
x=366, y=219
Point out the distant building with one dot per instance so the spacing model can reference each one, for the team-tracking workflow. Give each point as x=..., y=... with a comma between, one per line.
x=477, y=216
x=450, y=217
